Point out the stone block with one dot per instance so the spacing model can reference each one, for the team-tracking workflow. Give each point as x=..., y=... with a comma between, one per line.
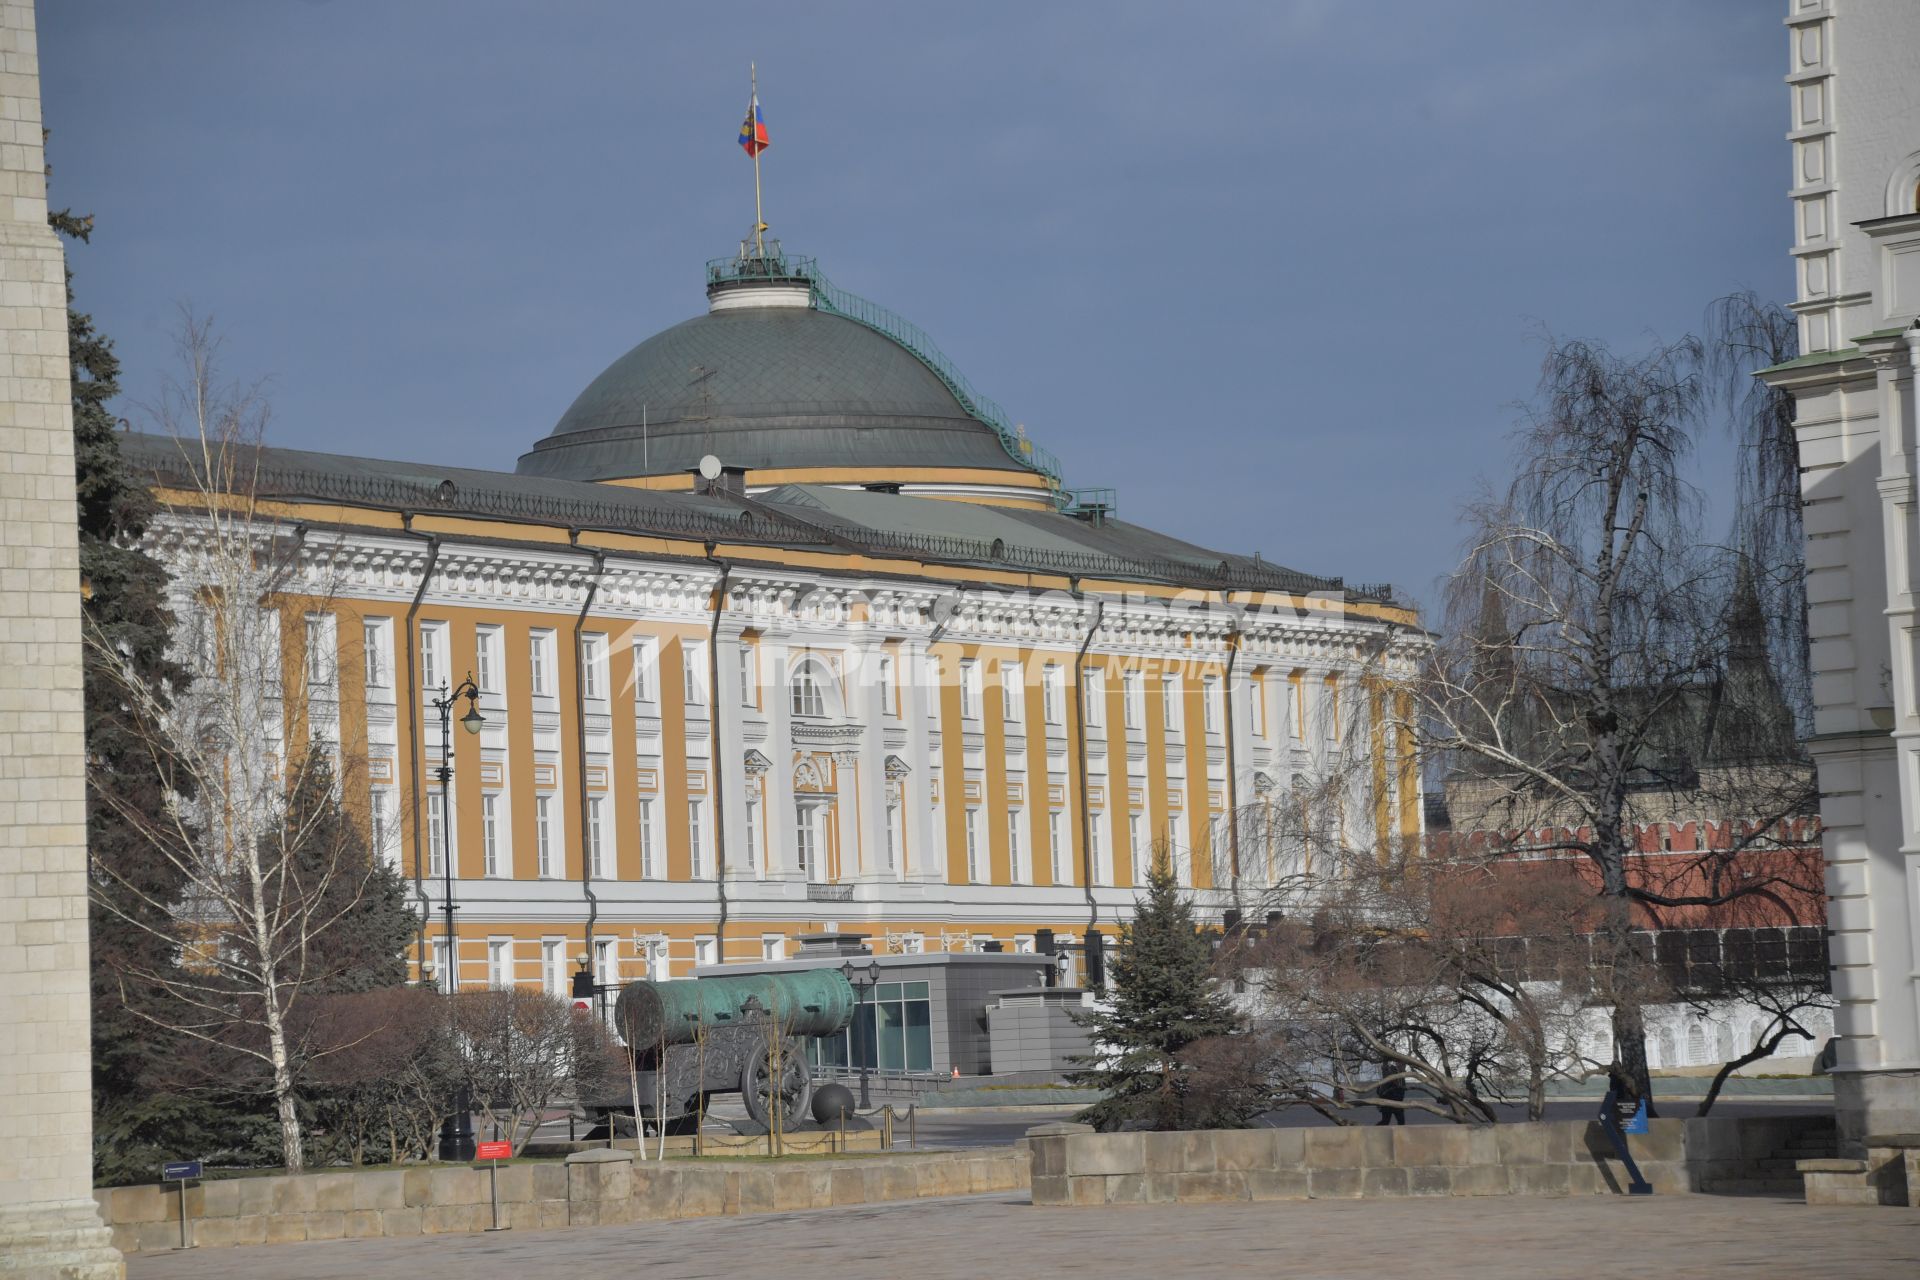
x=416, y=1188
x=1539, y=1180
x=1480, y=1180
x=819, y=1188
x=790, y=1190
x=1090, y=1189
x=1333, y=1148
x=401, y=1222
x=756, y=1190
x=895, y=1182
x=327, y=1224
x=1104, y=1153
x=362, y=1224
x=703, y=1193
x=1126, y=1188
x=1244, y=1149
x=1522, y=1144
x=1383, y=1182
x=1276, y=1184
x=128, y=1205
x=456, y=1186
x=1051, y=1189
x=1333, y=1183
x=249, y=1230
x=286, y=1228
x=1048, y=1156
x=450, y=1219
x=1289, y=1148
x=1483, y=1147
x=294, y=1194
x=1161, y=1188
x=1204, y=1188
x=334, y=1192
x=1585, y=1178
x=1429, y=1180
x=551, y=1214
x=549, y=1181
x=1376, y=1146
x=380, y=1190
x=1663, y=1140
x=847, y=1186
x=1188, y=1152
x=151, y=1237
x=215, y=1233
x=220, y=1198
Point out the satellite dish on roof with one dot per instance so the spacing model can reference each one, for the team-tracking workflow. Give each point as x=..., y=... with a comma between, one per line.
x=710, y=467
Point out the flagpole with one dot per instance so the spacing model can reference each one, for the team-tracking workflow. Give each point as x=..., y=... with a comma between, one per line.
x=759, y=222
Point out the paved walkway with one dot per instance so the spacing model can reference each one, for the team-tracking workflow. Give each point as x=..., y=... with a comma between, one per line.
x=1672, y=1237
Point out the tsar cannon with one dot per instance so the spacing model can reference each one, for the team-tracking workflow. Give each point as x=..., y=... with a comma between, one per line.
x=697, y=1037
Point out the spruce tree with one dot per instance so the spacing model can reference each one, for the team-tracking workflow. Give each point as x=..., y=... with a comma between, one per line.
x=141, y=1112
x=359, y=902
x=1165, y=1004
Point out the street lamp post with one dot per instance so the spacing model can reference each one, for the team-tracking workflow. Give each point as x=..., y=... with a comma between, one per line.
x=861, y=989
x=456, y=1135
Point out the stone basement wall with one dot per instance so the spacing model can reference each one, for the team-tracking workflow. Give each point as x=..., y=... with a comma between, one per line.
x=1075, y=1166
x=591, y=1188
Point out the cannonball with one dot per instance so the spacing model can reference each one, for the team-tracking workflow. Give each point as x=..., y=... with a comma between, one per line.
x=829, y=1101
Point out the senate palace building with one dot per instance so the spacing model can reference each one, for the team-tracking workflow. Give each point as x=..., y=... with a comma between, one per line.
x=784, y=629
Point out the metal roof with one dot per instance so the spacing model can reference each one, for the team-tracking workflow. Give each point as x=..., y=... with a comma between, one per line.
x=764, y=387
x=811, y=516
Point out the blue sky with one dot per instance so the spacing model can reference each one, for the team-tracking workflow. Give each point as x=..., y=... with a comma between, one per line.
x=1276, y=271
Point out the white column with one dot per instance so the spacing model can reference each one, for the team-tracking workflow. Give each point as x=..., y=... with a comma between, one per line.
x=916, y=704
x=863, y=705
x=48, y=1223
x=729, y=754
x=779, y=815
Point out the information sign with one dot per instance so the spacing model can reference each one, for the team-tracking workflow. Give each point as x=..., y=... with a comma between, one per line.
x=493, y=1151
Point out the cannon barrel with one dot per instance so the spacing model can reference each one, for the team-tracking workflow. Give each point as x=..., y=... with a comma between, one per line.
x=812, y=1002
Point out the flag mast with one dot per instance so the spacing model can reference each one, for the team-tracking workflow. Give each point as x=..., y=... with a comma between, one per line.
x=759, y=221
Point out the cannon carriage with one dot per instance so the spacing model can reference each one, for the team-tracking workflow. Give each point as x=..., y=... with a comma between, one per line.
x=696, y=1037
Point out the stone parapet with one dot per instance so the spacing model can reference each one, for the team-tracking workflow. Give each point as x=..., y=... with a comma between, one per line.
x=1545, y=1159
x=589, y=1188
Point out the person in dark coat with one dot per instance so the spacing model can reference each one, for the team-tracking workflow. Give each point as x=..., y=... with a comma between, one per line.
x=1392, y=1088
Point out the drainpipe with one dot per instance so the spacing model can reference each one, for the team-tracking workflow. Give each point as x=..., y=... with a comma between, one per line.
x=1080, y=753
x=412, y=694
x=580, y=740
x=718, y=771
x=1233, y=788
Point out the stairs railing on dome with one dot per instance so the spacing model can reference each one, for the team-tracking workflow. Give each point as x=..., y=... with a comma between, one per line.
x=828, y=297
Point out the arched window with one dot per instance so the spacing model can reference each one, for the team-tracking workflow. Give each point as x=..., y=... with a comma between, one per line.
x=1696, y=1045
x=1665, y=1042
x=809, y=695
x=1755, y=1029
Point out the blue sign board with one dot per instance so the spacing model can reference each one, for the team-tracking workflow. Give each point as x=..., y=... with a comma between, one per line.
x=1639, y=1122
x=179, y=1170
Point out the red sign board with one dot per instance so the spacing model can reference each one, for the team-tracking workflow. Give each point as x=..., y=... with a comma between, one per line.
x=493, y=1151
x=581, y=1006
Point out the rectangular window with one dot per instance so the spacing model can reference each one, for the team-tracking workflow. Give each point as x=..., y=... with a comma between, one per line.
x=1132, y=699
x=443, y=975
x=320, y=635
x=1137, y=847
x=1296, y=705
x=1052, y=693
x=1057, y=845
x=703, y=951
x=380, y=827
x=749, y=676
x=490, y=832
x=1210, y=703
x=1170, y=703
x=659, y=962
x=973, y=846
x=1093, y=697
x=436, y=833
x=486, y=656
x=648, y=869
x=373, y=644
x=1016, y=863
x=693, y=676
x=433, y=655
x=697, y=839
x=893, y=837
x=773, y=946
x=553, y=966
x=593, y=666
x=596, y=842
x=805, y=832
x=969, y=689
x=887, y=706
x=753, y=835
x=1013, y=691
x=543, y=836
x=606, y=961
x=500, y=962
x=540, y=663
x=1095, y=854
x=646, y=656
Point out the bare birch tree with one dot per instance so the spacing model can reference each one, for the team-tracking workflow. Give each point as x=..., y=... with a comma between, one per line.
x=263, y=878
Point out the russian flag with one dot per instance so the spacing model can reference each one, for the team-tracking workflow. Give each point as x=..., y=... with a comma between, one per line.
x=753, y=130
